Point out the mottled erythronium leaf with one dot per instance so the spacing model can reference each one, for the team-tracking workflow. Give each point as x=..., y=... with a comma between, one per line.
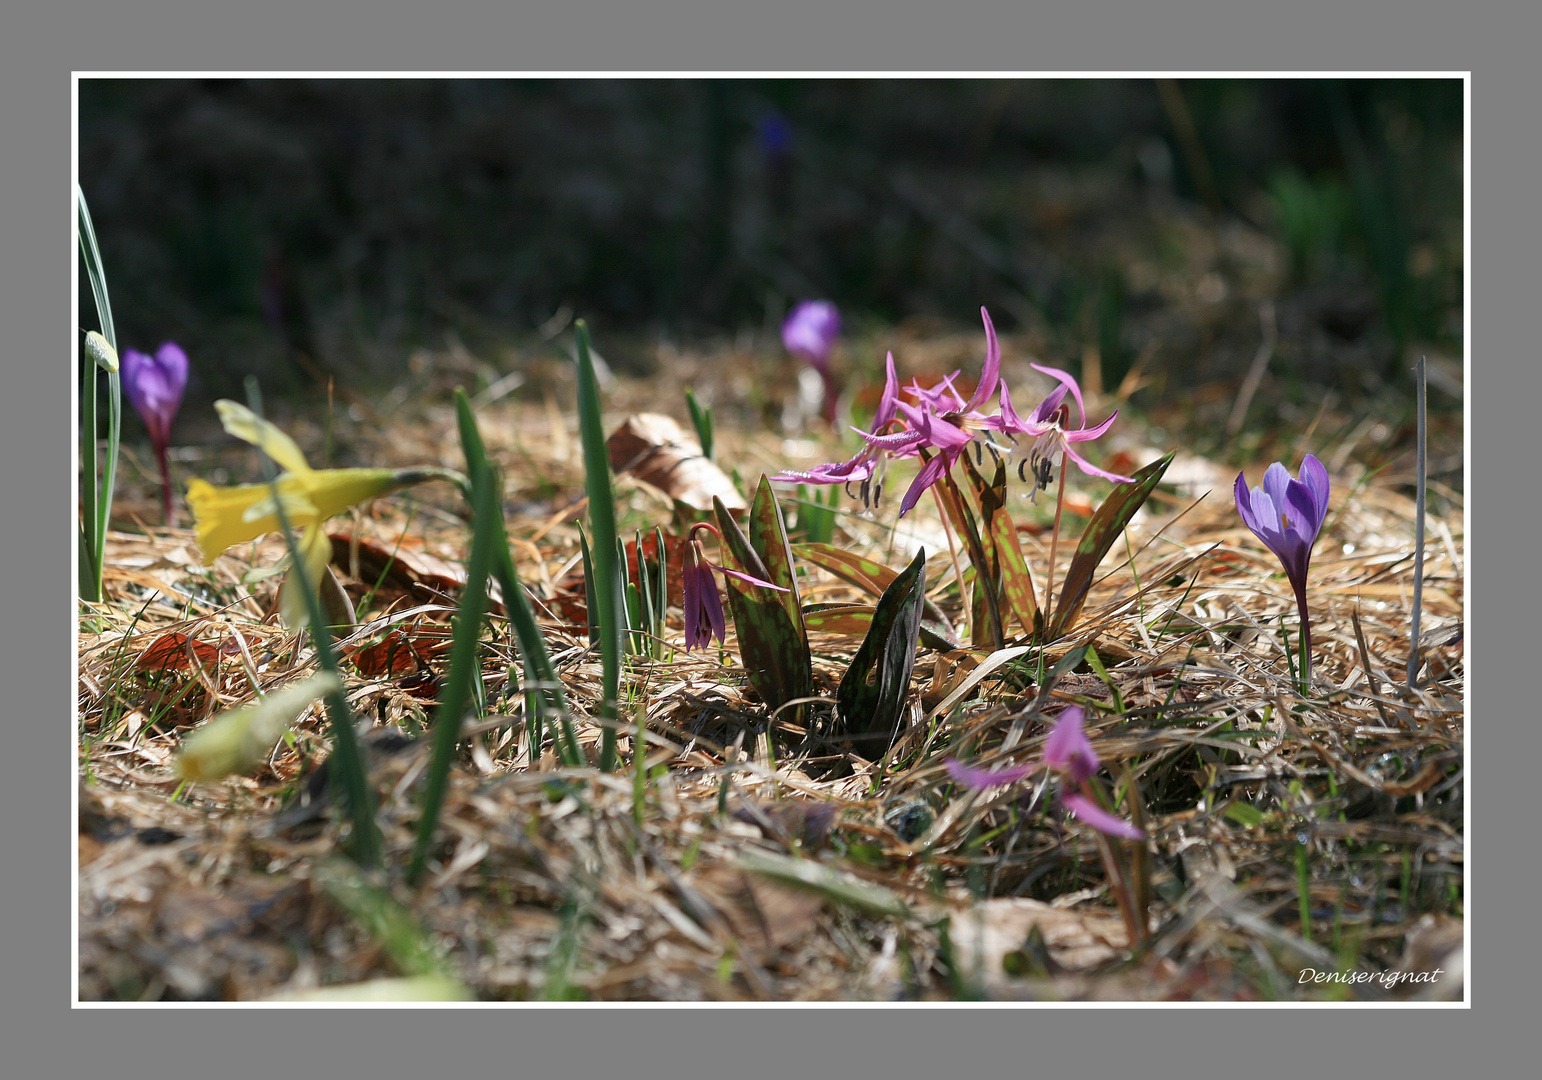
x=856, y=619
x=1107, y=523
x=987, y=630
x=1008, y=567
x=768, y=536
x=773, y=648
x=872, y=692
x=874, y=577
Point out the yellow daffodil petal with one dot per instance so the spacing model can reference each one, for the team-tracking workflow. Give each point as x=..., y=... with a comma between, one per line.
x=315, y=553
x=249, y=427
x=238, y=740
x=221, y=514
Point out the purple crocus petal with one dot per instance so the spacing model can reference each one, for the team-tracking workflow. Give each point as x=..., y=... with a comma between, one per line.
x=751, y=578
x=1092, y=470
x=1314, y=474
x=990, y=374
x=1276, y=480
x=703, y=606
x=1100, y=819
x=1067, y=749
x=154, y=386
x=930, y=473
x=810, y=331
x=977, y=779
x=1244, y=499
x=1087, y=434
x=1070, y=383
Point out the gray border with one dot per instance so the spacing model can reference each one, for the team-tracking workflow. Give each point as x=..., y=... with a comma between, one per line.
x=42, y=45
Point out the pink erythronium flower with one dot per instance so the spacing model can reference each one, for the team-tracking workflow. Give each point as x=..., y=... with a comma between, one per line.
x=704, y=617
x=1067, y=752
x=1046, y=426
x=1287, y=514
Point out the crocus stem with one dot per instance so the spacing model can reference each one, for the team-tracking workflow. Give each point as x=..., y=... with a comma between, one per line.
x=1054, y=538
x=963, y=593
x=167, y=503
x=1306, y=640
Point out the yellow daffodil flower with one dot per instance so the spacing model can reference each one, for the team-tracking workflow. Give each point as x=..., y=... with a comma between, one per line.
x=234, y=515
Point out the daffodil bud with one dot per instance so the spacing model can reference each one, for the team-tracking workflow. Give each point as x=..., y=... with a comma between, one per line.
x=238, y=740
x=105, y=355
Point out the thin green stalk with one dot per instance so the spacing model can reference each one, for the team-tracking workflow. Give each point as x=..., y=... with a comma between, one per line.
x=1304, y=890
x=458, y=684
x=98, y=492
x=347, y=762
x=602, y=522
x=701, y=419
x=1418, y=581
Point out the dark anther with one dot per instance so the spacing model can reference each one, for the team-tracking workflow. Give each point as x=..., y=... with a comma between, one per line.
x=1022, y=470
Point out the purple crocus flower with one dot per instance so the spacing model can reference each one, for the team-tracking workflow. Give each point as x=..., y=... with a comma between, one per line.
x=810, y=333
x=1068, y=753
x=704, y=617
x=1287, y=514
x=154, y=386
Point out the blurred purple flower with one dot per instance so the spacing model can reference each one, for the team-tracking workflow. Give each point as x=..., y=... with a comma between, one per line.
x=1287, y=514
x=1067, y=750
x=1099, y=818
x=154, y=385
x=704, y=617
x=810, y=332
x=977, y=779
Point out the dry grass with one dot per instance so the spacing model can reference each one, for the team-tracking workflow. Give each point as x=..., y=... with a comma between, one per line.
x=546, y=883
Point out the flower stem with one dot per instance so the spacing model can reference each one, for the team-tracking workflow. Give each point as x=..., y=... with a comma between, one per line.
x=963, y=593
x=166, y=497
x=1306, y=641
x=1054, y=539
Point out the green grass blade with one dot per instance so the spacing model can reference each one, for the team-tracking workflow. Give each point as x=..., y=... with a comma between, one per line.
x=346, y=764
x=602, y=523
x=457, y=690
x=701, y=419
x=547, y=697
x=100, y=488
x=591, y=606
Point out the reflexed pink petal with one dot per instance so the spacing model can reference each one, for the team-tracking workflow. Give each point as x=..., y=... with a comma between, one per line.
x=890, y=399
x=978, y=779
x=1092, y=470
x=990, y=374
x=1100, y=819
x=751, y=578
x=1070, y=384
x=930, y=473
x=1088, y=434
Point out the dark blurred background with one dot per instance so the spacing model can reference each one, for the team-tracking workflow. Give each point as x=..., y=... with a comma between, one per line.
x=306, y=229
